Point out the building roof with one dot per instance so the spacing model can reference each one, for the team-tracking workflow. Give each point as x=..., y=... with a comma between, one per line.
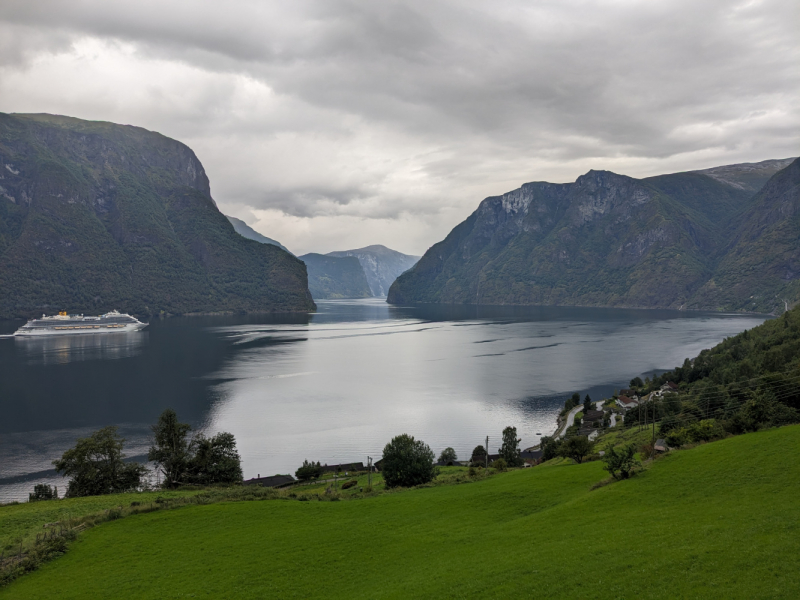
x=272, y=481
x=359, y=466
x=593, y=415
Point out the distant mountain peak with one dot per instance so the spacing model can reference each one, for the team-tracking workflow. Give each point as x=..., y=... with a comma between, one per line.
x=381, y=265
x=245, y=230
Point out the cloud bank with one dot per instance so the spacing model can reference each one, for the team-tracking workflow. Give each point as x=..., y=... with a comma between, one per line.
x=335, y=124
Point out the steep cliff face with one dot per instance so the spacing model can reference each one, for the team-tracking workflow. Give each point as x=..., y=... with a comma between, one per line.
x=381, y=266
x=333, y=278
x=95, y=216
x=245, y=230
x=604, y=240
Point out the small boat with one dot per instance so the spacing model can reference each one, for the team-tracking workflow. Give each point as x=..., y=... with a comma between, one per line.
x=62, y=323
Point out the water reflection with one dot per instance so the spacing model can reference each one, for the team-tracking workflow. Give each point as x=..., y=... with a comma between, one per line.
x=336, y=385
x=63, y=349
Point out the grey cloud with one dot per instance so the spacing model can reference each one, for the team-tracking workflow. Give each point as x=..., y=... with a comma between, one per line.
x=472, y=93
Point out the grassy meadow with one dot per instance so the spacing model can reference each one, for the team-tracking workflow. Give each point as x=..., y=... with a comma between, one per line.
x=716, y=521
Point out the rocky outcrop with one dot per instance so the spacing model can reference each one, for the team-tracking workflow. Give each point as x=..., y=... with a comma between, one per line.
x=333, y=278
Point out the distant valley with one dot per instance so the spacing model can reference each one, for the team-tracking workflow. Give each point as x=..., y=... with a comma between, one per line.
x=726, y=238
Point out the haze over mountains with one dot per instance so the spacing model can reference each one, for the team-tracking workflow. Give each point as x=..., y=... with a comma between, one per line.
x=96, y=216
x=721, y=239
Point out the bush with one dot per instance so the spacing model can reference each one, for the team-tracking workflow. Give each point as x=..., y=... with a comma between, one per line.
x=42, y=491
x=348, y=484
x=309, y=470
x=500, y=464
x=621, y=463
x=407, y=462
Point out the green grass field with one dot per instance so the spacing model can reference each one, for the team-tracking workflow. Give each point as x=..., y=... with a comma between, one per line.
x=717, y=521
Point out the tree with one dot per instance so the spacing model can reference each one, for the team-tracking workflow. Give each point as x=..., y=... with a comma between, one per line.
x=309, y=471
x=478, y=457
x=96, y=466
x=587, y=404
x=170, y=451
x=621, y=463
x=577, y=448
x=509, y=451
x=407, y=462
x=636, y=382
x=214, y=460
x=42, y=491
x=551, y=447
x=448, y=456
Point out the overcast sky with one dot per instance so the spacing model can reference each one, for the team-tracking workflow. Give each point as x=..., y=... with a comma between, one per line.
x=331, y=125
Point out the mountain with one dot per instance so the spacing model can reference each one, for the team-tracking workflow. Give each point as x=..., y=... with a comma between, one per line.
x=612, y=240
x=381, y=265
x=245, y=230
x=96, y=216
x=332, y=278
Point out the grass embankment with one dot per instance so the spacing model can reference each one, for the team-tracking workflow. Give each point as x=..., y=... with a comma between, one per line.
x=717, y=521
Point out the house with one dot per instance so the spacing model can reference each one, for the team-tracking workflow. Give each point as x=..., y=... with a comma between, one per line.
x=626, y=402
x=669, y=387
x=344, y=468
x=531, y=456
x=274, y=481
x=592, y=415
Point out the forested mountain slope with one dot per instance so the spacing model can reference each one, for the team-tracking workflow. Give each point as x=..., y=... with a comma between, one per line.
x=606, y=240
x=245, y=230
x=96, y=216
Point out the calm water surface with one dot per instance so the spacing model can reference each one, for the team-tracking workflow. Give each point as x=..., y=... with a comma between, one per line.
x=334, y=386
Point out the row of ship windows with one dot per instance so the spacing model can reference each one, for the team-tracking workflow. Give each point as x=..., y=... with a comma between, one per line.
x=86, y=326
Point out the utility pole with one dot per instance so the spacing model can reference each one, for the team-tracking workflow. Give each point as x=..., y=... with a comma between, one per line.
x=654, y=430
x=487, y=452
x=369, y=472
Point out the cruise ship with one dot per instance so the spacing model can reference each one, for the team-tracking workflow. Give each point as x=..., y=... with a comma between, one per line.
x=62, y=323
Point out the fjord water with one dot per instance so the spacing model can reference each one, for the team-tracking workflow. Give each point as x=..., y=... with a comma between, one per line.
x=333, y=386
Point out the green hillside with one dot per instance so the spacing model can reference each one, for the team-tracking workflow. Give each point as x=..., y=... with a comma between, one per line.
x=611, y=240
x=717, y=521
x=96, y=216
x=331, y=277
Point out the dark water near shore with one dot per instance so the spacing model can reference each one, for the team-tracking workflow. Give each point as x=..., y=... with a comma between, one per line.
x=334, y=386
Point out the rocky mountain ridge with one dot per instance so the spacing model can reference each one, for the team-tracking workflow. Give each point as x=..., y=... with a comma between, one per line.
x=604, y=240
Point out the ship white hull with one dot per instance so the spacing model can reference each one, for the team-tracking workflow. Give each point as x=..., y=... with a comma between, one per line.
x=81, y=329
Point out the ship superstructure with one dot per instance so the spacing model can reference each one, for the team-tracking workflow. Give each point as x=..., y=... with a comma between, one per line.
x=62, y=323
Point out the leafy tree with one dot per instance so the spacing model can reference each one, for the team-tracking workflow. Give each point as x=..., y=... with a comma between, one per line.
x=478, y=455
x=170, y=451
x=448, y=456
x=407, y=462
x=587, y=404
x=577, y=448
x=551, y=447
x=96, y=466
x=509, y=451
x=636, y=382
x=621, y=463
x=214, y=460
x=42, y=491
x=309, y=471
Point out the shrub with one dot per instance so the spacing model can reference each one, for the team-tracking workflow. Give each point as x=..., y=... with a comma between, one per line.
x=348, y=484
x=500, y=464
x=42, y=491
x=621, y=463
x=309, y=470
x=407, y=462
